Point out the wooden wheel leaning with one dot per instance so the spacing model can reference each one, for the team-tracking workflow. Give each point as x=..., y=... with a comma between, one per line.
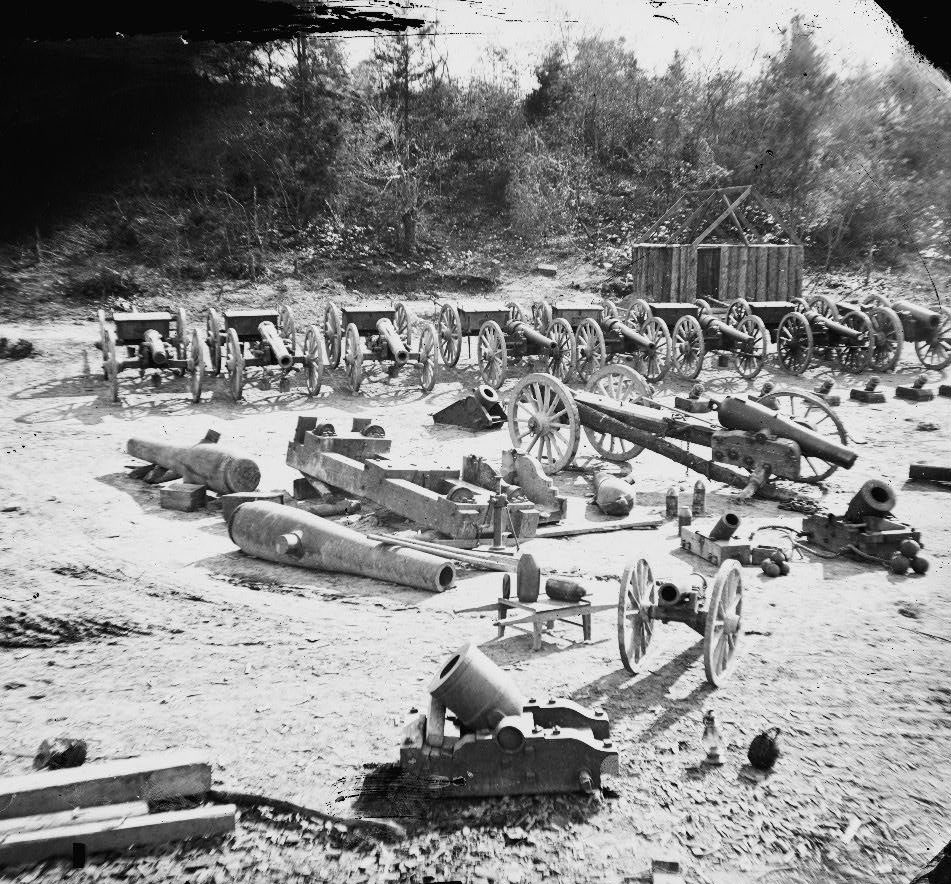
x=214, y=323
x=544, y=422
x=314, y=355
x=635, y=622
x=195, y=365
x=428, y=352
x=563, y=361
x=750, y=356
x=622, y=384
x=794, y=342
x=689, y=347
x=403, y=323
x=333, y=333
x=235, y=362
x=111, y=364
x=353, y=357
x=590, y=347
x=492, y=354
x=935, y=351
x=449, y=326
x=724, y=623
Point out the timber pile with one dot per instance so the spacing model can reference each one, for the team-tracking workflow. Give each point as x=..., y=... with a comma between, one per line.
x=111, y=805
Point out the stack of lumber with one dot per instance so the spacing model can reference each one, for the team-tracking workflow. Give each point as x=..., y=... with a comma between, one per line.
x=106, y=806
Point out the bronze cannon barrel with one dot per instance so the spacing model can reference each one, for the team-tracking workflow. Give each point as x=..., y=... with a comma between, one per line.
x=845, y=331
x=153, y=343
x=741, y=414
x=207, y=464
x=724, y=329
x=874, y=498
x=290, y=536
x=393, y=341
x=922, y=316
x=533, y=335
x=270, y=336
x=625, y=331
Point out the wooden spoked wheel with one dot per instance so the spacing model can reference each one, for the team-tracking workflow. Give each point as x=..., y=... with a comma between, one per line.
x=353, y=357
x=608, y=310
x=450, y=335
x=195, y=365
x=702, y=305
x=544, y=422
x=724, y=623
x=333, y=333
x=214, y=323
x=492, y=354
x=181, y=333
x=622, y=384
x=635, y=608
x=794, y=342
x=656, y=361
x=562, y=362
x=541, y=316
x=516, y=313
x=590, y=347
x=824, y=307
x=314, y=355
x=111, y=364
x=235, y=362
x=403, y=323
x=101, y=317
x=856, y=354
x=814, y=414
x=877, y=301
x=639, y=313
x=888, y=337
x=689, y=347
x=428, y=356
x=749, y=357
x=736, y=312
x=286, y=328
x=935, y=351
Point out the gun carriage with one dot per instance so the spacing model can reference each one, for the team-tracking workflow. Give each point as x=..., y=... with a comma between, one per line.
x=900, y=321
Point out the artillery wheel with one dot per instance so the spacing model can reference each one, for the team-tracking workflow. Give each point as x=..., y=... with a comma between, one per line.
x=635, y=623
x=724, y=623
x=736, y=312
x=703, y=306
x=333, y=333
x=450, y=334
x=286, y=328
x=623, y=384
x=111, y=364
x=563, y=361
x=876, y=301
x=591, y=349
x=689, y=347
x=492, y=354
x=543, y=408
x=181, y=334
x=353, y=357
x=541, y=316
x=516, y=313
x=856, y=354
x=816, y=415
x=749, y=357
x=195, y=365
x=824, y=306
x=888, y=335
x=794, y=342
x=403, y=323
x=427, y=356
x=608, y=310
x=657, y=363
x=214, y=323
x=235, y=360
x=935, y=351
x=639, y=313
x=313, y=361
x=101, y=317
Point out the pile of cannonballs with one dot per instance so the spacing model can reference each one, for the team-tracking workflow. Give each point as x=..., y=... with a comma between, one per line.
x=907, y=557
x=776, y=564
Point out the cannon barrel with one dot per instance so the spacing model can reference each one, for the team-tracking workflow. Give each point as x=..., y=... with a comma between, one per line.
x=153, y=343
x=671, y=593
x=393, y=341
x=291, y=536
x=270, y=336
x=724, y=329
x=844, y=331
x=725, y=527
x=206, y=463
x=533, y=335
x=476, y=689
x=922, y=316
x=625, y=331
x=874, y=498
x=741, y=414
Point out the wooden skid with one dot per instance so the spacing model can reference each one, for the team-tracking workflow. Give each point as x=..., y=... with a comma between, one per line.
x=879, y=537
x=186, y=498
x=714, y=551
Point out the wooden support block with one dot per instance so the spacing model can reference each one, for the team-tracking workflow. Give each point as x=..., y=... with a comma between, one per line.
x=141, y=472
x=152, y=777
x=185, y=498
x=944, y=390
x=693, y=406
x=37, y=822
x=117, y=834
x=714, y=551
x=546, y=270
x=348, y=444
x=869, y=397
x=230, y=502
x=304, y=489
x=914, y=394
x=929, y=473
x=305, y=424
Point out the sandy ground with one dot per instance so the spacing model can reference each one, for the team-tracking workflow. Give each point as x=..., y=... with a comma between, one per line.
x=141, y=629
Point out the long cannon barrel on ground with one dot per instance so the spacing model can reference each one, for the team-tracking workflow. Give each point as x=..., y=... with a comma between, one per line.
x=153, y=342
x=741, y=414
x=270, y=336
x=290, y=536
x=206, y=463
x=533, y=335
x=921, y=315
x=393, y=341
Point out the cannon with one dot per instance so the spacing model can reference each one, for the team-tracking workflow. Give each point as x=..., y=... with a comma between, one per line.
x=785, y=433
x=717, y=616
x=240, y=339
x=150, y=343
x=504, y=336
x=387, y=332
x=928, y=329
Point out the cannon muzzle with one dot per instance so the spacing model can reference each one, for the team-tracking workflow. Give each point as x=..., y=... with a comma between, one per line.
x=476, y=690
x=725, y=330
x=725, y=528
x=874, y=498
x=207, y=464
x=671, y=594
x=741, y=414
x=532, y=334
x=269, y=334
x=291, y=536
x=154, y=345
x=394, y=342
x=625, y=331
x=922, y=316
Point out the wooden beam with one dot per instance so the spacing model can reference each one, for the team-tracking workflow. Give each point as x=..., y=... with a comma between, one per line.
x=40, y=821
x=665, y=216
x=688, y=221
x=770, y=209
x=723, y=216
x=152, y=777
x=747, y=223
x=736, y=220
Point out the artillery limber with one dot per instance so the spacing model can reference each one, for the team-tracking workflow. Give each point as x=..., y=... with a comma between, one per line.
x=381, y=333
x=150, y=342
x=786, y=434
x=242, y=339
x=504, y=336
x=929, y=330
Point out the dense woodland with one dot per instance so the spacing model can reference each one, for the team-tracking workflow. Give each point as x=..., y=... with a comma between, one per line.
x=301, y=151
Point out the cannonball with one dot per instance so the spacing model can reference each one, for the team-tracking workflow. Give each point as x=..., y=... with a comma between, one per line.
x=778, y=556
x=920, y=565
x=783, y=568
x=899, y=564
x=909, y=548
x=697, y=390
x=770, y=568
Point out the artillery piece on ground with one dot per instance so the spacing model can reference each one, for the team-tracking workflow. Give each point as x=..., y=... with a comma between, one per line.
x=380, y=333
x=240, y=339
x=786, y=433
x=899, y=321
x=151, y=343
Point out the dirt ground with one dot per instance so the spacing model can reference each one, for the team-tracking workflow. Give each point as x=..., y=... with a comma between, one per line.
x=140, y=629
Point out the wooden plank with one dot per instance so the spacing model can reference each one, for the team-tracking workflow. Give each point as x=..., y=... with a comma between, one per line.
x=666, y=271
x=690, y=277
x=723, y=283
x=598, y=528
x=771, y=209
x=106, y=835
x=723, y=215
x=782, y=272
x=675, y=258
x=797, y=257
x=736, y=221
x=153, y=777
x=40, y=821
x=761, y=288
x=662, y=218
x=742, y=269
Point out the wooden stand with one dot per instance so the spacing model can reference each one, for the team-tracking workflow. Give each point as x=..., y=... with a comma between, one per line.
x=534, y=617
